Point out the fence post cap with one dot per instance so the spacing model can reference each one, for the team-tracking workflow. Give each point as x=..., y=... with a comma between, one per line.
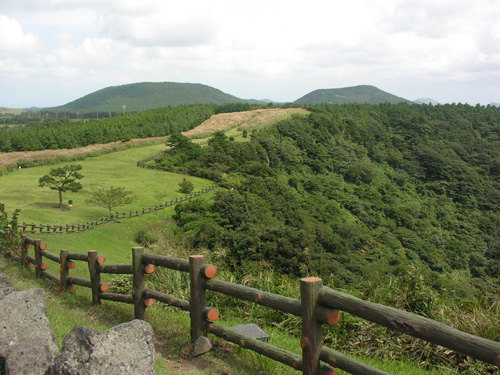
x=311, y=279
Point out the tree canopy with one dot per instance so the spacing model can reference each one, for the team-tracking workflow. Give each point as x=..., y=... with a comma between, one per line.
x=63, y=179
x=356, y=192
x=110, y=198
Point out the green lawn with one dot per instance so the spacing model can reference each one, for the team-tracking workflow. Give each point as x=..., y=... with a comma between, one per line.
x=19, y=190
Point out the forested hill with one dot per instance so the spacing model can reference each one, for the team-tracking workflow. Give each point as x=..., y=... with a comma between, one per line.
x=147, y=95
x=361, y=194
x=357, y=94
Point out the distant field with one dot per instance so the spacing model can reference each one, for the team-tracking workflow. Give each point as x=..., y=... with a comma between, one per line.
x=11, y=111
x=247, y=119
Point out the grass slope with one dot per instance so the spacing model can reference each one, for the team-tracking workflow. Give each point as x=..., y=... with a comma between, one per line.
x=19, y=190
x=147, y=95
x=356, y=94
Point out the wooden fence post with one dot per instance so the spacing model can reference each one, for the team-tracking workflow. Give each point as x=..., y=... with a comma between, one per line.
x=95, y=276
x=139, y=285
x=312, y=330
x=197, y=303
x=64, y=270
x=38, y=258
x=24, y=250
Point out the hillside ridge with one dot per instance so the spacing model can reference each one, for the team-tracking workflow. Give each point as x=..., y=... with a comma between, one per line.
x=148, y=95
x=347, y=95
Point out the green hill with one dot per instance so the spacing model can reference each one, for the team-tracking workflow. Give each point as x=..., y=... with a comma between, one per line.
x=148, y=95
x=347, y=95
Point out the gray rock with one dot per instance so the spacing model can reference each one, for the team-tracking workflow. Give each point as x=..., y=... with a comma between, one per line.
x=201, y=346
x=5, y=286
x=125, y=349
x=28, y=358
x=24, y=323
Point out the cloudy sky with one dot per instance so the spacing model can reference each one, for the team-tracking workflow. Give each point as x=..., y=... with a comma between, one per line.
x=55, y=51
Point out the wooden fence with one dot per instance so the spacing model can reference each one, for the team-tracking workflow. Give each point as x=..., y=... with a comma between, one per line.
x=76, y=228
x=318, y=305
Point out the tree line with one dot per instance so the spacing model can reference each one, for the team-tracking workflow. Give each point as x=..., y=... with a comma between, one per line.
x=62, y=133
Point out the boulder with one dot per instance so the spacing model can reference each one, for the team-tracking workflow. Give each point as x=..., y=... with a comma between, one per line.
x=125, y=349
x=5, y=286
x=201, y=346
x=29, y=358
x=24, y=324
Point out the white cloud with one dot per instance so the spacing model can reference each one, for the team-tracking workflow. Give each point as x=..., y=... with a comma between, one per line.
x=242, y=47
x=13, y=40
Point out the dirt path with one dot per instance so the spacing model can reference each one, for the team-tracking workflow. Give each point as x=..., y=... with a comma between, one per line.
x=223, y=121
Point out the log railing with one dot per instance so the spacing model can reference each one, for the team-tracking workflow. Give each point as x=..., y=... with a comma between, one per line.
x=317, y=306
x=76, y=228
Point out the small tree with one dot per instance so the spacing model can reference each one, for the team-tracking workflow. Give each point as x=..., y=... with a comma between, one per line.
x=186, y=186
x=110, y=197
x=62, y=179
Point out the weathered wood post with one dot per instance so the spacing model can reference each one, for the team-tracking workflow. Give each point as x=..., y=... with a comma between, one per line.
x=312, y=330
x=24, y=250
x=38, y=257
x=139, y=285
x=197, y=303
x=95, y=276
x=64, y=270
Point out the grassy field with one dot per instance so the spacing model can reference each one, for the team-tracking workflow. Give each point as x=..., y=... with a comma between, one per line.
x=19, y=190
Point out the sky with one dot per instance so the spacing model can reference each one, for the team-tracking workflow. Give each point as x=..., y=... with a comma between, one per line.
x=55, y=51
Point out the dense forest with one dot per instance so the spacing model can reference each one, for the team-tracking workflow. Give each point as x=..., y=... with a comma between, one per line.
x=354, y=193
x=62, y=133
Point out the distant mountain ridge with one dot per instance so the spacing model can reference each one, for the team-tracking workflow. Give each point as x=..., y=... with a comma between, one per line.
x=426, y=101
x=356, y=94
x=148, y=95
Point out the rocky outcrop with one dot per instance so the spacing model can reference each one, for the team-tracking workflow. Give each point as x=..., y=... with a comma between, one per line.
x=6, y=287
x=28, y=345
x=27, y=342
x=125, y=349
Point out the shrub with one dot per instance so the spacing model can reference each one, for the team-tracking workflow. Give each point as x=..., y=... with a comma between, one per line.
x=186, y=186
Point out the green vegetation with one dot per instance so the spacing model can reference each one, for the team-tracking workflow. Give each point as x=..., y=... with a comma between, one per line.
x=348, y=95
x=62, y=133
x=186, y=186
x=148, y=95
x=356, y=192
x=62, y=179
x=110, y=198
x=397, y=204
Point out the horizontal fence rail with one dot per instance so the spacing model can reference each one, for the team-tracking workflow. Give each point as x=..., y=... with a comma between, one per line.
x=413, y=325
x=77, y=228
x=318, y=305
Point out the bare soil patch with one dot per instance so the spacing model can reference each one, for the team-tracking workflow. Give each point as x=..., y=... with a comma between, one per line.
x=222, y=121
x=246, y=119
